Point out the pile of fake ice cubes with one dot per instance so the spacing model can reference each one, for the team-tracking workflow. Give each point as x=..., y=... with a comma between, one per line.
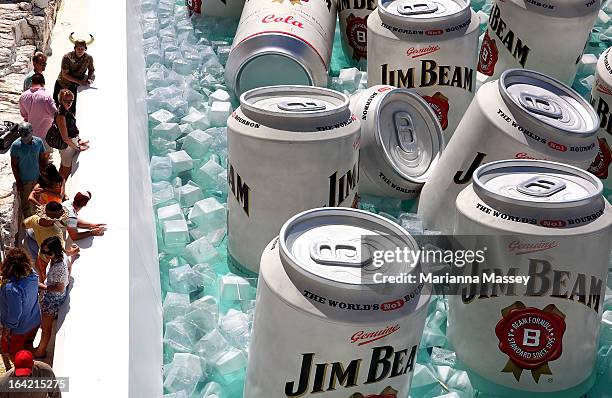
x=207, y=310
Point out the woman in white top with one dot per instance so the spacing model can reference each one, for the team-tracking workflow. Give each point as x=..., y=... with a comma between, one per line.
x=54, y=289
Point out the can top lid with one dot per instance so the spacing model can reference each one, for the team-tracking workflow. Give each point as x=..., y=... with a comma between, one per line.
x=408, y=133
x=336, y=246
x=537, y=183
x=296, y=102
x=424, y=9
x=548, y=101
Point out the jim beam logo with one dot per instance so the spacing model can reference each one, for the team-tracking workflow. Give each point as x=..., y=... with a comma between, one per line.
x=384, y=363
x=342, y=186
x=531, y=338
x=239, y=188
x=429, y=74
x=600, y=165
x=545, y=280
x=488, y=53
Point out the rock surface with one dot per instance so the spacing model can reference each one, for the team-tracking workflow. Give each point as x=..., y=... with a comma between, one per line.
x=25, y=26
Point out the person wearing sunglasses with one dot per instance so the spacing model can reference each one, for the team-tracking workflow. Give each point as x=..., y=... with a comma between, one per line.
x=39, y=62
x=66, y=122
x=54, y=289
x=19, y=308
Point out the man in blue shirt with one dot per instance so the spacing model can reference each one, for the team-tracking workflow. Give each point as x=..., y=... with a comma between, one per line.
x=27, y=159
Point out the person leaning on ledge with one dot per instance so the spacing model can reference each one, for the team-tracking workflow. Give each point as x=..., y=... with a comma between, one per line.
x=26, y=368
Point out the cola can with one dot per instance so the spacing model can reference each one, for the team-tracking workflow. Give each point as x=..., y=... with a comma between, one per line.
x=353, y=17
x=281, y=42
x=545, y=36
x=401, y=141
x=343, y=334
x=549, y=222
x=216, y=8
x=523, y=115
x=601, y=99
x=430, y=46
x=290, y=149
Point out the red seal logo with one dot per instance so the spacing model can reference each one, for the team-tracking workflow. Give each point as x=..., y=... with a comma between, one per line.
x=488, y=55
x=357, y=34
x=194, y=6
x=439, y=103
x=600, y=165
x=531, y=338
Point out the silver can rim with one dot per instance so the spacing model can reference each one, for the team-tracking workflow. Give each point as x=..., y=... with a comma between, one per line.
x=388, y=16
x=481, y=189
x=288, y=259
x=245, y=103
x=436, y=129
x=519, y=72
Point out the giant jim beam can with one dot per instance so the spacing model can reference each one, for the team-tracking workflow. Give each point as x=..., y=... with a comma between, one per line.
x=216, y=8
x=601, y=99
x=545, y=36
x=290, y=149
x=353, y=18
x=325, y=322
x=282, y=42
x=430, y=46
x=523, y=115
x=401, y=141
x=549, y=222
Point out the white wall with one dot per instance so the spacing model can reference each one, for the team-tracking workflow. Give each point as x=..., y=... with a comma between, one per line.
x=145, y=378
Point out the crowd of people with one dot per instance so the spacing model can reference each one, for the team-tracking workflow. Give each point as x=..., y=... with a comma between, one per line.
x=35, y=275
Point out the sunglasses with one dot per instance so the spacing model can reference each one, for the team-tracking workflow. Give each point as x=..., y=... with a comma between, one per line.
x=42, y=63
x=67, y=101
x=46, y=252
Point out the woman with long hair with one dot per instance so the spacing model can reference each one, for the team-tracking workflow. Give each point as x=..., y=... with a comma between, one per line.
x=50, y=187
x=54, y=289
x=66, y=122
x=19, y=309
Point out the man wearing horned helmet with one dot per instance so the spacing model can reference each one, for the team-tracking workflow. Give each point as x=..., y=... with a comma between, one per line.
x=77, y=70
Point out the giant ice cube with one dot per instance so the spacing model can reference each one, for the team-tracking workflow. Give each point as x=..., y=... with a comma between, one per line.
x=206, y=175
x=167, y=131
x=200, y=251
x=189, y=194
x=196, y=143
x=160, y=168
x=208, y=214
x=181, y=161
x=171, y=212
x=176, y=234
x=162, y=116
x=183, y=373
x=185, y=280
x=175, y=304
x=219, y=112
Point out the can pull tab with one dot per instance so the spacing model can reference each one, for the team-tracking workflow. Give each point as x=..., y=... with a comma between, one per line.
x=347, y=253
x=417, y=7
x=541, y=186
x=302, y=105
x=540, y=105
x=404, y=129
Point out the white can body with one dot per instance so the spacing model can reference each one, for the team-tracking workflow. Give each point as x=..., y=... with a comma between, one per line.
x=353, y=17
x=601, y=99
x=541, y=337
x=439, y=65
x=493, y=130
x=275, y=173
x=282, y=42
x=546, y=37
x=310, y=338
